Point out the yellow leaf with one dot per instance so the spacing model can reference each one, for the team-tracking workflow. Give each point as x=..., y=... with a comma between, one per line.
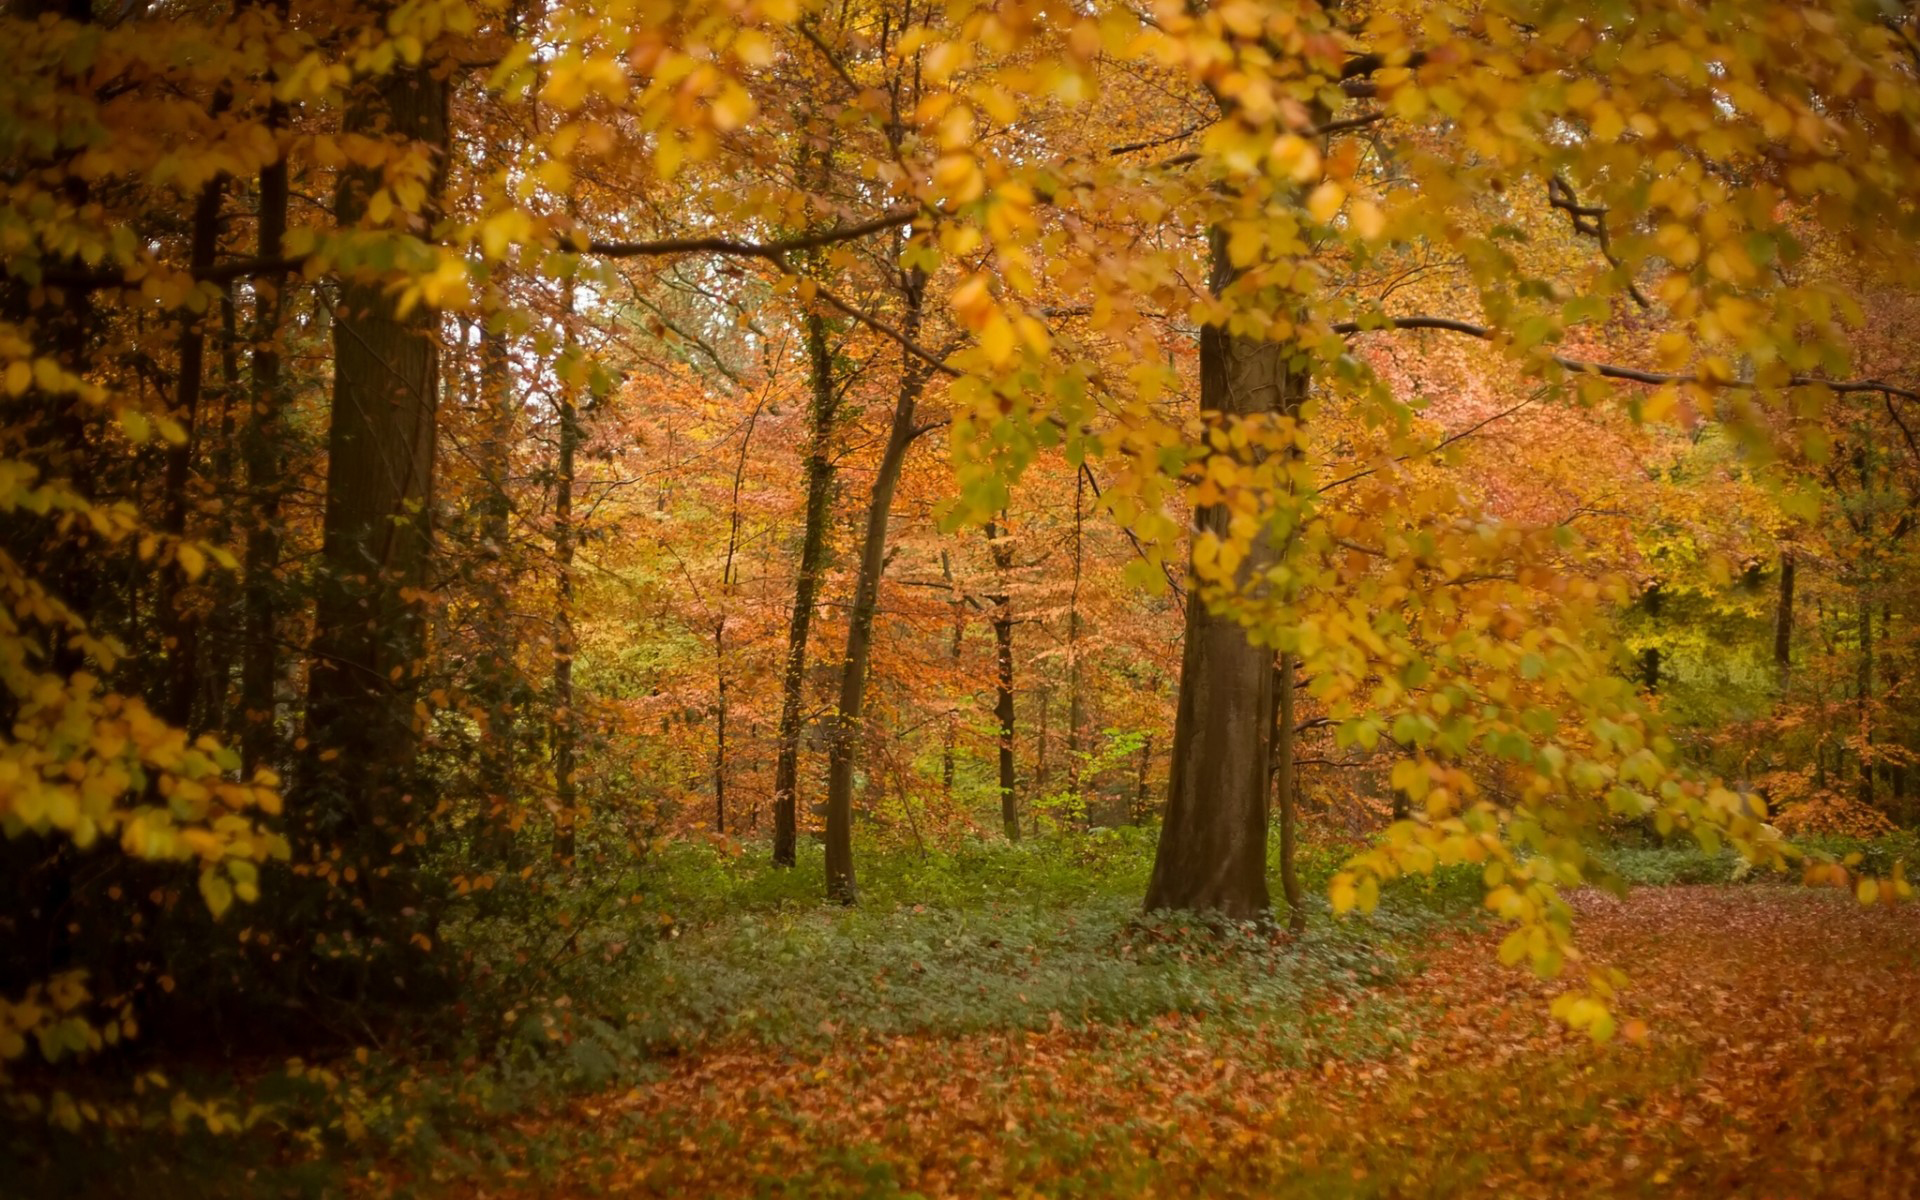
x=1325, y=201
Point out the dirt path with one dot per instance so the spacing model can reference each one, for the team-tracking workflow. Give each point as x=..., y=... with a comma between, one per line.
x=1780, y=1058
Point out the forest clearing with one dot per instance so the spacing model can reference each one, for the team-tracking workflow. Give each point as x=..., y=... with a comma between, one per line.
x=1002, y=597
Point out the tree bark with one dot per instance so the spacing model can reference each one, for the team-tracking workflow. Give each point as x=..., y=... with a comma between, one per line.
x=565, y=540
x=1783, y=622
x=1003, y=681
x=952, y=736
x=498, y=673
x=369, y=628
x=262, y=455
x=1213, y=843
x=853, y=671
x=1284, y=739
x=1076, y=704
x=180, y=627
x=1864, y=693
x=813, y=549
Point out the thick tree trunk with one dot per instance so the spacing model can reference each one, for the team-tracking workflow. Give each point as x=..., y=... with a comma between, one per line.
x=813, y=550
x=1213, y=844
x=853, y=670
x=364, y=796
x=1003, y=682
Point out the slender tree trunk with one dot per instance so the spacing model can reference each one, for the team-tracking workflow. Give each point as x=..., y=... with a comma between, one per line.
x=1076, y=704
x=1864, y=692
x=1042, y=772
x=261, y=451
x=1652, y=601
x=727, y=581
x=813, y=550
x=1213, y=844
x=214, y=702
x=720, y=725
x=180, y=628
x=499, y=673
x=952, y=737
x=366, y=797
x=1783, y=622
x=565, y=538
x=1284, y=740
x=1003, y=680
x=853, y=671
x=1139, y=808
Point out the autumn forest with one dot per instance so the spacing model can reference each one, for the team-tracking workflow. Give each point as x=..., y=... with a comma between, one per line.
x=1298, y=598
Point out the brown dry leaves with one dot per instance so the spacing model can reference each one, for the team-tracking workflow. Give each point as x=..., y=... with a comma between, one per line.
x=1771, y=1047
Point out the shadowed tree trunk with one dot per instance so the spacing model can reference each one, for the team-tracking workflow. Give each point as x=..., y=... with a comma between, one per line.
x=565, y=539
x=1864, y=693
x=498, y=674
x=364, y=794
x=1003, y=681
x=1285, y=737
x=952, y=735
x=853, y=669
x=179, y=627
x=1212, y=854
x=263, y=457
x=813, y=550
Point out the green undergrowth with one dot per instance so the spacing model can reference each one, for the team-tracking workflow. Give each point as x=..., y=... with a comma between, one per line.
x=1679, y=861
x=978, y=938
x=596, y=986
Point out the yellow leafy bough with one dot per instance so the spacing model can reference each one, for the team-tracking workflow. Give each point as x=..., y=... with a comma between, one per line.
x=94, y=766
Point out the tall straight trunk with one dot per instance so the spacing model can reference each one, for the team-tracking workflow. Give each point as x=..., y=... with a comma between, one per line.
x=1284, y=740
x=365, y=797
x=565, y=538
x=498, y=673
x=180, y=628
x=1138, y=812
x=1213, y=844
x=1076, y=704
x=1653, y=601
x=853, y=668
x=728, y=579
x=1003, y=681
x=261, y=452
x=813, y=551
x=1783, y=622
x=952, y=736
x=1864, y=692
x=720, y=725
x=214, y=699
x=1042, y=773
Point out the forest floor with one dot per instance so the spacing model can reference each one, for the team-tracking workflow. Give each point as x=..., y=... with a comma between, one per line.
x=1769, y=1047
